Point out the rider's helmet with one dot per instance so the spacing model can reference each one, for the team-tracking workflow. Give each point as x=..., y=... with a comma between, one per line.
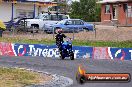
x=59, y=30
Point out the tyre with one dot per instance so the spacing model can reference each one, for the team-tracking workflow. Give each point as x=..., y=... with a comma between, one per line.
x=48, y=32
x=32, y=26
x=14, y=29
x=86, y=29
x=36, y=27
x=62, y=56
x=72, y=56
x=31, y=31
x=37, y=31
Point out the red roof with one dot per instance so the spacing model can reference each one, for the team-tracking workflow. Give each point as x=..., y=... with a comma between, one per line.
x=112, y=1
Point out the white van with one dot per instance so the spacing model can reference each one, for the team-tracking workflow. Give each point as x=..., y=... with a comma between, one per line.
x=45, y=18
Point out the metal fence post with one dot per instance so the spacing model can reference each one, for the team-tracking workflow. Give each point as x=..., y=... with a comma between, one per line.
x=73, y=34
x=95, y=30
x=13, y=30
x=33, y=31
x=24, y=24
x=53, y=32
x=43, y=28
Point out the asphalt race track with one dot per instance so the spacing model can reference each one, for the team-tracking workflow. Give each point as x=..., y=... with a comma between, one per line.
x=68, y=68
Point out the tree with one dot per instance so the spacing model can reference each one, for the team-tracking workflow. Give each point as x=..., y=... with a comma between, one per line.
x=87, y=10
x=62, y=6
x=75, y=10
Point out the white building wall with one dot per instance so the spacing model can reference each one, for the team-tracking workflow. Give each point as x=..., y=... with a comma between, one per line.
x=44, y=9
x=5, y=11
x=19, y=7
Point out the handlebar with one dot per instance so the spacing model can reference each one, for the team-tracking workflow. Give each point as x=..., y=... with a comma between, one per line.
x=68, y=39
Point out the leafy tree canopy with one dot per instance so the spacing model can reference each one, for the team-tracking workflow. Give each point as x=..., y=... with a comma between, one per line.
x=87, y=10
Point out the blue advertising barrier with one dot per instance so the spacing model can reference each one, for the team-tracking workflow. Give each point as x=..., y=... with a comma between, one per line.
x=49, y=50
x=15, y=49
x=120, y=53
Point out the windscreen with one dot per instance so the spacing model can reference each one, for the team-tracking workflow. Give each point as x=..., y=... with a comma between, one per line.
x=52, y=17
x=58, y=17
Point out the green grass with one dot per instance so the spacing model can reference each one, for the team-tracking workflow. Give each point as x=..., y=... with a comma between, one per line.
x=123, y=44
x=28, y=41
x=10, y=77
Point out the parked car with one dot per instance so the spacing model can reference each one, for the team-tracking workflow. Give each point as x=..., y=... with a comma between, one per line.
x=14, y=24
x=69, y=25
x=45, y=18
x=2, y=28
x=2, y=25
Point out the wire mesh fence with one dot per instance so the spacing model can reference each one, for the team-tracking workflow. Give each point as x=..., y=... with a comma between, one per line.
x=102, y=33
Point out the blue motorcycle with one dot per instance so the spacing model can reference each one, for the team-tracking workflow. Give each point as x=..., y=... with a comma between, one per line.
x=66, y=50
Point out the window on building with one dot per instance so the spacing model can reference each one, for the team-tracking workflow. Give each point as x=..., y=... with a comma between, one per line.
x=30, y=14
x=129, y=11
x=125, y=7
x=107, y=8
x=24, y=13
x=21, y=14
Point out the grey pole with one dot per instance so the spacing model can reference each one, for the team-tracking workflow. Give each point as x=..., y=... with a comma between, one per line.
x=95, y=31
x=53, y=32
x=73, y=33
x=13, y=29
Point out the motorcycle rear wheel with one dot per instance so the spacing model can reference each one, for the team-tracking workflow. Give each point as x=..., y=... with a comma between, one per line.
x=72, y=56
